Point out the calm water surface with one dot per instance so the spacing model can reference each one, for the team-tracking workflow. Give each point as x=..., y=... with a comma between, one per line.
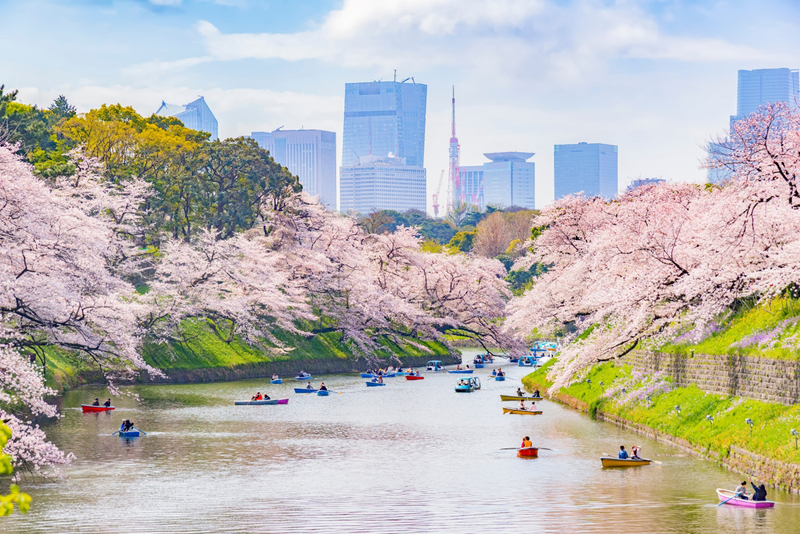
x=407, y=457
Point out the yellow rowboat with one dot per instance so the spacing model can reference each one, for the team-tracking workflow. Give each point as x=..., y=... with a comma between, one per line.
x=516, y=398
x=522, y=412
x=630, y=462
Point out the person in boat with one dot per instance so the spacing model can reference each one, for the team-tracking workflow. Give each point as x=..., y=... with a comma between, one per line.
x=536, y=393
x=96, y=402
x=526, y=442
x=759, y=493
x=458, y=367
x=126, y=425
x=500, y=372
x=533, y=406
x=741, y=491
x=623, y=454
x=467, y=367
x=107, y=403
x=635, y=452
x=275, y=377
x=322, y=387
x=521, y=406
x=520, y=393
x=308, y=386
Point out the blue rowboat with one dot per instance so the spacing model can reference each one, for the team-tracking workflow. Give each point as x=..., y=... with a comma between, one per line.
x=277, y=381
x=479, y=366
x=323, y=393
x=461, y=372
x=389, y=375
x=304, y=390
x=375, y=384
x=500, y=378
x=303, y=377
x=367, y=375
x=129, y=434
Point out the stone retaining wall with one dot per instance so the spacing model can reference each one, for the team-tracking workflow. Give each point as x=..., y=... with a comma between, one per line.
x=743, y=376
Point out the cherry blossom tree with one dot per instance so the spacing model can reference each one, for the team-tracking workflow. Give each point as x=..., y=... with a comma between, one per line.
x=656, y=259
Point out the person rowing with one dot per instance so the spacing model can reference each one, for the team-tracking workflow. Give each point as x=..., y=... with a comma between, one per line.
x=96, y=402
x=256, y=397
x=309, y=386
x=275, y=377
x=526, y=443
x=107, y=403
x=322, y=387
x=126, y=425
x=520, y=393
x=622, y=454
x=521, y=406
x=741, y=491
x=536, y=393
x=500, y=372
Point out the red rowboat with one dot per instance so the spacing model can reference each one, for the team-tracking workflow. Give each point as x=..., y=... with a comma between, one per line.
x=528, y=452
x=88, y=408
x=410, y=377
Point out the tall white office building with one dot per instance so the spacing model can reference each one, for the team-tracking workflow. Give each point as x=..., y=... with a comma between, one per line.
x=381, y=183
x=308, y=154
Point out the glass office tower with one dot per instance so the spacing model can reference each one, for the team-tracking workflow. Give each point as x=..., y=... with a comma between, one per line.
x=509, y=180
x=308, y=154
x=383, y=118
x=195, y=115
x=762, y=86
x=472, y=180
x=590, y=168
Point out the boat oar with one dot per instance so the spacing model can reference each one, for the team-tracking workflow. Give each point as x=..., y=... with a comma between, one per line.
x=723, y=502
x=142, y=431
x=524, y=448
x=115, y=433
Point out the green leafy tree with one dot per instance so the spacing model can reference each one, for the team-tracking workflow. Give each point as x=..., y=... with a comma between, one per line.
x=7, y=502
x=462, y=241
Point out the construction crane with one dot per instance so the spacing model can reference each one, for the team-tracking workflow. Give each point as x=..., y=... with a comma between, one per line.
x=436, y=196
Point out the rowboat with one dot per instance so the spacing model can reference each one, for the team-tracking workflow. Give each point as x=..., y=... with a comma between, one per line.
x=412, y=377
x=518, y=398
x=129, y=434
x=303, y=377
x=367, y=375
x=528, y=452
x=375, y=384
x=323, y=393
x=522, y=412
x=724, y=495
x=479, y=366
x=500, y=378
x=261, y=402
x=461, y=372
x=305, y=390
x=627, y=462
x=89, y=408
x=277, y=381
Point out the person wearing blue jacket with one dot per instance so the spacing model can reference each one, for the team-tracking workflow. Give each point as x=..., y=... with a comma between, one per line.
x=760, y=492
x=623, y=454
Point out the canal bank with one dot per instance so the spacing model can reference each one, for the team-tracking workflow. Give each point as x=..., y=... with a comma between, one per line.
x=201, y=354
x=747, y=436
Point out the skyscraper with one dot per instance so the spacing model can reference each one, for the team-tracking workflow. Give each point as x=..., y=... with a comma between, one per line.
x=382, y=118
x=308, y=154
x=472, y=182
x=382, y=183
x=754, y=89
x=195, y=115
x=763, y=86
x=509, y=180
x=587, y=167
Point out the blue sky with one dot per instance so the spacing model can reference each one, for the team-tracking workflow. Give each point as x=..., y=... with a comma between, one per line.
x=657, y=78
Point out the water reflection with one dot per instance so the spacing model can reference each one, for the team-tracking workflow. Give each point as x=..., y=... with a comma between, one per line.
x=410, y=457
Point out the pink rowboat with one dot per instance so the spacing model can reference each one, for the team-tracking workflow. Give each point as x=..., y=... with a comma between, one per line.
x=724, y=495
x=89, y=408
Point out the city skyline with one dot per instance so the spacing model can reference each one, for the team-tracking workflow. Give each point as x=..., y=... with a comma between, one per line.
x=657, y=79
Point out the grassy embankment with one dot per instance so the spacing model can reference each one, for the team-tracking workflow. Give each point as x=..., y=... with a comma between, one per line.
x=770, y=330
x=771, y=434
x=203, y=348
